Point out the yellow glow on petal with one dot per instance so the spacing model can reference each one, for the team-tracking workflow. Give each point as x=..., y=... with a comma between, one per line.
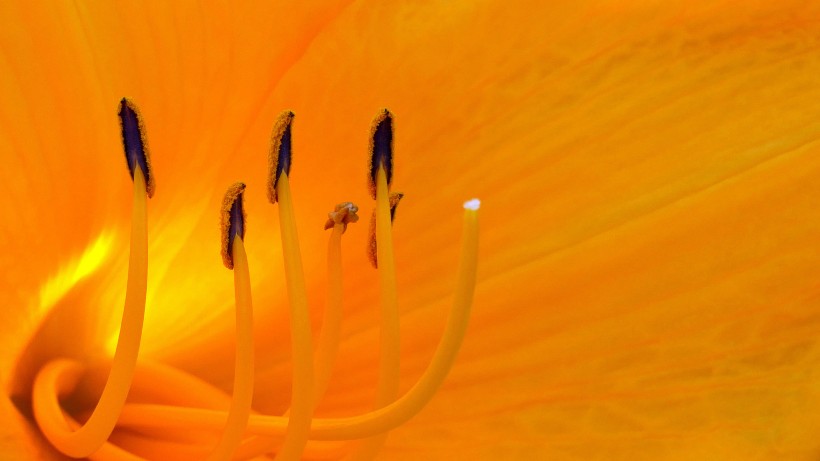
x=173, y=286
x=76, y=270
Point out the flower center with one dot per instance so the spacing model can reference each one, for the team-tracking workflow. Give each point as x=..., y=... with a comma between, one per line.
x=195, y=425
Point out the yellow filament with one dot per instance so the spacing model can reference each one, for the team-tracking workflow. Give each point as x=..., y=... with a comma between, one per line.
x=356, y=427
x=389, y=337
x=388, y=386
x=326, y=351
x=91, y=436
x=240, y=408
x=59, y=378
x=301, y=408
x=328, y=344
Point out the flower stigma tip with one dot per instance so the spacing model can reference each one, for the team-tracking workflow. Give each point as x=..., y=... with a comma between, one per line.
x=232, y=221
x=135, y=143
x=381, y=149
x=280, y=153
x=472, y=204
x=344, y=213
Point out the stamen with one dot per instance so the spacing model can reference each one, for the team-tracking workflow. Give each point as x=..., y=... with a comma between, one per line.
x=301, y=408
x=372, y=255
x=328, y=345
x=343, y=214
x=356, y=427
x=280, y=153
x=240, y=408
x=232, y=221
x=381, y=149
x=60, y=378
x=93, y=434
x=389, y=336
x=135, y=143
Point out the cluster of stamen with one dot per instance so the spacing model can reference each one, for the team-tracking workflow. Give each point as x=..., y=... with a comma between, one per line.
x=154, y=431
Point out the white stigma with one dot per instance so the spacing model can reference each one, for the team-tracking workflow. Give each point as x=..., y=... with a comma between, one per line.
x=472, y=204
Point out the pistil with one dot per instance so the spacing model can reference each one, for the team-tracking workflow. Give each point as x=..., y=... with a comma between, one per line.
x=328, y=345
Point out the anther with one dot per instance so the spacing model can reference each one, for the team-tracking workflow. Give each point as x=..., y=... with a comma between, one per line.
x=135, y=143
x=344, y=213
x=395, y=198
x=381, y=149
x=232, y=217
x=280, y=152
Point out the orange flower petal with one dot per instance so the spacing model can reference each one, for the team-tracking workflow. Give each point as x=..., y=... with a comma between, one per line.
x=648, y=176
